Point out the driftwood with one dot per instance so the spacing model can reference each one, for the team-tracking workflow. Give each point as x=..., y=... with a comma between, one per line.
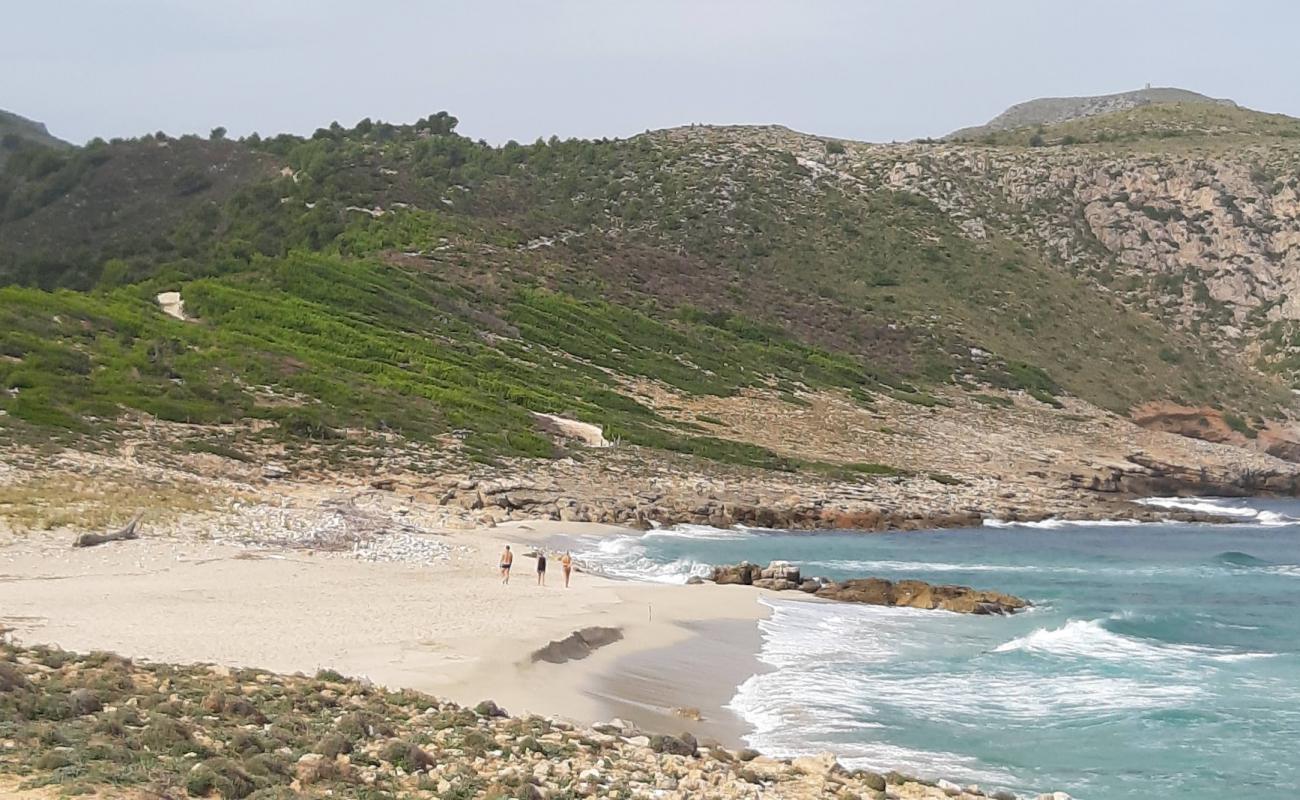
x=92, y=539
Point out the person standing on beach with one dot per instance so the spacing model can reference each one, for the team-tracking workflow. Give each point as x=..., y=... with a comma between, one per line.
x=507, y=560
x=541, y=568
x=566, y=561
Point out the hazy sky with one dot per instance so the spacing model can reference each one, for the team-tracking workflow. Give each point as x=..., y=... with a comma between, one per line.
x=865, y=70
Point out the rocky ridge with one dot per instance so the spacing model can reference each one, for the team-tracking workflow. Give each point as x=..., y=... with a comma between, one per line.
x=1055, y=110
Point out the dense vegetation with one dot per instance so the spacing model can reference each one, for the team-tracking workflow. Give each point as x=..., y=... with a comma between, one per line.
x=408, y=279
x=16, y=133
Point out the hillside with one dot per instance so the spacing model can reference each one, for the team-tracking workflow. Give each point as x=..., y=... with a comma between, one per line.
x=386, y=284
x=17, y=132
x=1057, y=110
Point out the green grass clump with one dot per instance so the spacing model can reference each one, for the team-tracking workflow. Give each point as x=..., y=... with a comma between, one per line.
x=1240, y=425
x=864, y=468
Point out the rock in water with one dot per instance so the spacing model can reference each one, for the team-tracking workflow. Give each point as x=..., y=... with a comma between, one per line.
x=782, y=576
x=919, y=594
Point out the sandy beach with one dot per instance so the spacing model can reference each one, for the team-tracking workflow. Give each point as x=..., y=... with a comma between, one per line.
x=449, y=628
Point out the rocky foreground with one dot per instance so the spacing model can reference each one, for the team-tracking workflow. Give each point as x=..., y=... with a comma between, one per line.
x=103, y=724
x=780, y=576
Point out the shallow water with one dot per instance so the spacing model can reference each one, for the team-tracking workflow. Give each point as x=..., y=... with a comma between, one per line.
x=1162, y=660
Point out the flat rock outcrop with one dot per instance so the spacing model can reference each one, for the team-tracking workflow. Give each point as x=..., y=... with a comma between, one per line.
x=919, y=594
x=784, y=576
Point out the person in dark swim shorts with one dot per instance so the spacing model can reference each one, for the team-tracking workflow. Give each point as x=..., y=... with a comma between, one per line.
x=507, y=561
x=541, y=569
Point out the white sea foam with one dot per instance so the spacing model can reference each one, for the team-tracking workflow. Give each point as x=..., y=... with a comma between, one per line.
x=625, y=557
x=1054, y=523
x=701, y=532
x=1203, y=505
x=1223, y=507
x=841, y=677
x=1090, y=639
x=871, y=566
x=886, y=565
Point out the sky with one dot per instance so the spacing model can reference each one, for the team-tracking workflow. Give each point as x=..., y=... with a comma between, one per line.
x=869, y=70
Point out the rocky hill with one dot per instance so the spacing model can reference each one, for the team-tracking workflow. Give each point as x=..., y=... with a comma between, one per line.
x=16, y=131
x=384, y=282
x=1056, y=110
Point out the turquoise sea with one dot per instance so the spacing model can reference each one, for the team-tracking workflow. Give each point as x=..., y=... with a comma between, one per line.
x=1161, y=660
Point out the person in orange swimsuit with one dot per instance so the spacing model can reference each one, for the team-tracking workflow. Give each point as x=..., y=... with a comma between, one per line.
x=567, y=563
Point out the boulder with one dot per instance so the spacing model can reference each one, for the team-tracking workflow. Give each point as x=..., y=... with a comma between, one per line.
x=743, y=573
x=775, y=584
x=313, y=768
x=819, y=765
x=11, y=680
x=82, y=702
x=683, y=745
x=782, y=570
x=810, y=586
x=273, y=470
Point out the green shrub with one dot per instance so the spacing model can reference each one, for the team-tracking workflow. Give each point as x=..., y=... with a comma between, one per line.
x=1240, y=425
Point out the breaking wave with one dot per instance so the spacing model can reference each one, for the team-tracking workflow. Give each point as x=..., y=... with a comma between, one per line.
x=1056, y=524
x=1223, y=507
x=1090, y=639
x=626, y=557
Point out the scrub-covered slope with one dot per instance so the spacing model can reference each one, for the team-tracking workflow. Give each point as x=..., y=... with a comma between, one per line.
x=404, y=279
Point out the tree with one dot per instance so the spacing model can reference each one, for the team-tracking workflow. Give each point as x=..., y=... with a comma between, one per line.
x=218, y=133
x=114, y=273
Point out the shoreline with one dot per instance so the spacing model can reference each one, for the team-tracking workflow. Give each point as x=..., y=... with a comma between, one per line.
x=656, y=669
x=447, y=628
x=687, y=686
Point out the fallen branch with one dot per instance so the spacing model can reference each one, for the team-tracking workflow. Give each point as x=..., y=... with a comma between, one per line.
x=92, y=539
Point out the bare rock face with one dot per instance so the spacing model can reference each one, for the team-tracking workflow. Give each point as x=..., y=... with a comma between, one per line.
x=1209, y=243
x=1212, y=425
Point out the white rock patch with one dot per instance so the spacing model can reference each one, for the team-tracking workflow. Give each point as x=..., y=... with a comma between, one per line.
x=588, y=434
x=172, y=305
